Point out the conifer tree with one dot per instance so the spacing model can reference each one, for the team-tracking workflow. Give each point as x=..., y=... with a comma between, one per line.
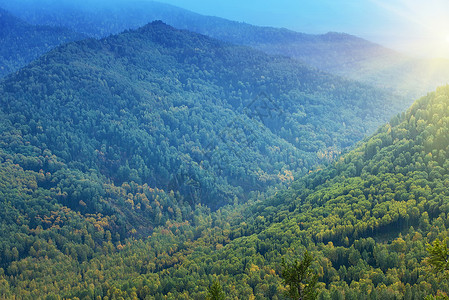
x=300, y=278
x=215, y=292
x=439, y=263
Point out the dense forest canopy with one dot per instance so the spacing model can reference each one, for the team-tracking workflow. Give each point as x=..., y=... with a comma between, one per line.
x=366, y=220
x=159, y=163
x=183, y=112
x=21, y=43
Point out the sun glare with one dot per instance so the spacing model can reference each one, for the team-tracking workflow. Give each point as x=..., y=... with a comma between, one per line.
x=425, y=22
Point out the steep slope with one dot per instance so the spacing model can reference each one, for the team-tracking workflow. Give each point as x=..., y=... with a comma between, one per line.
x=20, y=43
x=105, y=140
x=366, y=219
x=182, y=112
x=337, y=53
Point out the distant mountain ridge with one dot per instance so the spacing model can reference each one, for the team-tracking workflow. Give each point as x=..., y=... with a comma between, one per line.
x=21, y=43
x=337, y=53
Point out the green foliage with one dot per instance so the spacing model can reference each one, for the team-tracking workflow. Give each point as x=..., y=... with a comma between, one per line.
x=439, y=257
x=366, y=219
x=226, y=121
x=215, y=292
x=439, y=263
x=300, y=278
x=100, y=145
x=437, y=297
x=112, y=152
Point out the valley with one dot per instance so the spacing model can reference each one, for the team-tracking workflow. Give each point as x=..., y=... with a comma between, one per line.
x=144, y=159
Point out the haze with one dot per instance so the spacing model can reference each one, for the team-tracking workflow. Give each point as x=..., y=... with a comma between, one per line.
x=419, y=28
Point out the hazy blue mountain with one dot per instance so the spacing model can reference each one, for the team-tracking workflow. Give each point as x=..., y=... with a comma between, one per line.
x=337, y=53
x=20, y=42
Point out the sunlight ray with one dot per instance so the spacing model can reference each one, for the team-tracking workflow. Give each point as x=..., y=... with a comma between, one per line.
x=427, y=31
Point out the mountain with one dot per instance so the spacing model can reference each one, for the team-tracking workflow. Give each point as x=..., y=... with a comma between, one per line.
x=102, y=141
x=20, y=43
x=366, y=219
x=351, y=57
x=337, y=53
x=183, y=112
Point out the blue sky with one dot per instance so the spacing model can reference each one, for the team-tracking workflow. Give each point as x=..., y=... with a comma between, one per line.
x=419, y=27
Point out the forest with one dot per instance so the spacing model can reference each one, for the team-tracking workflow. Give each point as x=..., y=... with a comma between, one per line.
x=159, y=163
x=21, y=43
x=367, y=219
x=107, y=111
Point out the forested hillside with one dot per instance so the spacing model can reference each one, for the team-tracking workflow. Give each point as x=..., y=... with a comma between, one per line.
x=180, y=111
x=159, y=163
x=337, y=53
x=20, y=43
x=366, y=219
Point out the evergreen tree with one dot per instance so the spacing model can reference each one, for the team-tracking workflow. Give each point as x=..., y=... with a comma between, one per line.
x=439, y=257
x=215, y=292
x=300, y=278
x=439, y=263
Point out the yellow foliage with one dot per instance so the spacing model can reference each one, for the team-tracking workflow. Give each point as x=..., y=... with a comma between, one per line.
x=254, y=268
x=286, y=177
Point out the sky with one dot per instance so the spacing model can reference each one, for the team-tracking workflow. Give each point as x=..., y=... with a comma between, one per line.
x=416, y=27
